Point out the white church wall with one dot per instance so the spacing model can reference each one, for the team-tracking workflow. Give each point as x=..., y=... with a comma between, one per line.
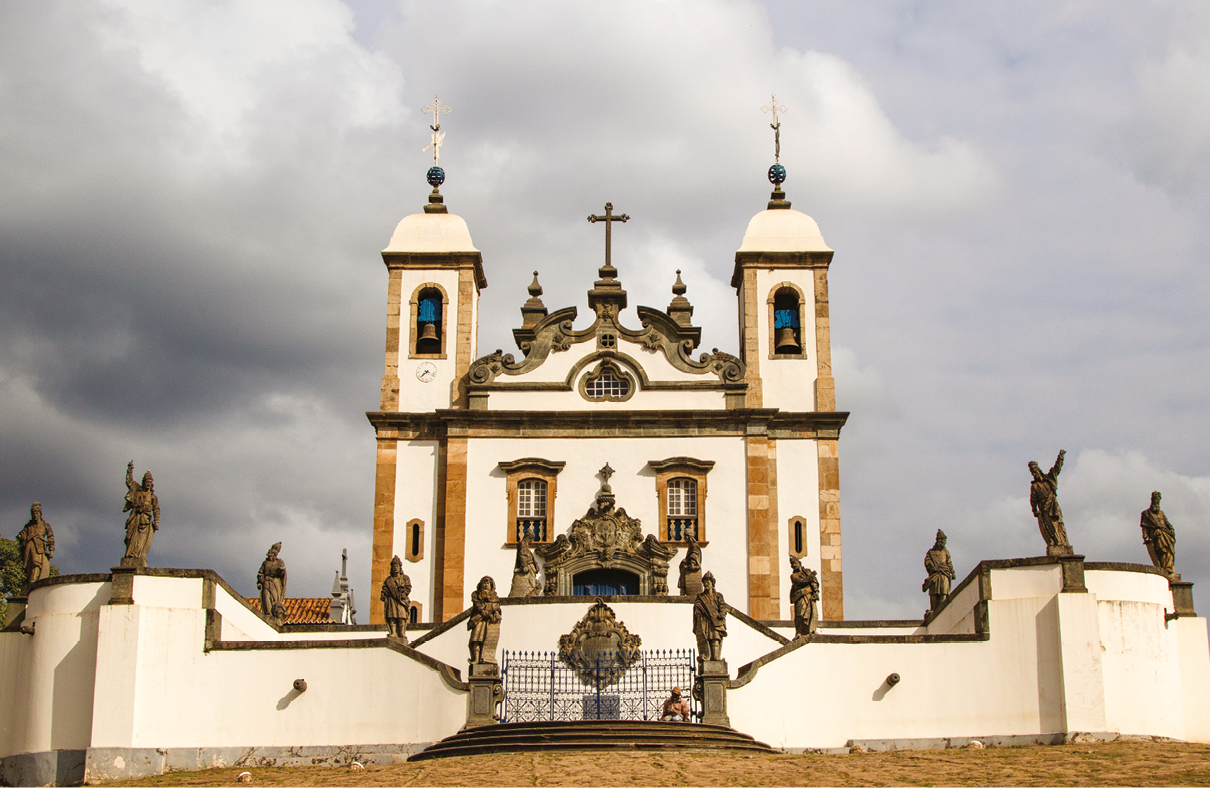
x=1131, y=586
x=1027, y=582
x=416, y=396
x=416, y=495
x=1193, y=650
x=797, y=496
x=788, y=384
x=1140, y=662
x=642, y=400
x=635, y=491
x=957, y=616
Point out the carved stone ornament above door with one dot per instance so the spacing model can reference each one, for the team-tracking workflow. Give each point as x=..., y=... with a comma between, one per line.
x=599, y=648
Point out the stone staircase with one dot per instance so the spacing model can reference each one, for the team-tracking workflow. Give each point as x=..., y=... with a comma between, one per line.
x=590, y=735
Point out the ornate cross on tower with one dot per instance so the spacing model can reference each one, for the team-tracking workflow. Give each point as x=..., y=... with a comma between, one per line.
x=775, y=125
x=609, y=219
x=606, y=472
x=438, y=135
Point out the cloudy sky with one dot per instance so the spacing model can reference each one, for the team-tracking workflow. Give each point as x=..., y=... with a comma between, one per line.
x=194, y=195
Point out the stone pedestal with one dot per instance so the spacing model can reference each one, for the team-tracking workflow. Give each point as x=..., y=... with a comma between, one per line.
x=1073, y=574
x=1182, y=598
x=486, y=692
x=16, y=607
x=711, y=691
x=121, y=584
x=133, y=563
x=1056, y=550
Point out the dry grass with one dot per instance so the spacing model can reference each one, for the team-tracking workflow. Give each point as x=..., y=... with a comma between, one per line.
x=1117, y=763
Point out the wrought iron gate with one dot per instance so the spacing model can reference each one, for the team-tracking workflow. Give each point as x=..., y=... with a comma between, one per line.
x=539, y=686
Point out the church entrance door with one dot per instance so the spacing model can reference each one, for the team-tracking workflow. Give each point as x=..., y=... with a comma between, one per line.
x=605, y=582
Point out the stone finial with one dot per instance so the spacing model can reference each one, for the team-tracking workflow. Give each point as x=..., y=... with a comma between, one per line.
x=534, y=310
x=1160, y=537
x=680, y=309
x=143, y=520
x=36, y=541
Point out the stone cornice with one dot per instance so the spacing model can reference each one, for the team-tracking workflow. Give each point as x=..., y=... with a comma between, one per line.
x=777, y=260
x=454, y=260
x=738, y=422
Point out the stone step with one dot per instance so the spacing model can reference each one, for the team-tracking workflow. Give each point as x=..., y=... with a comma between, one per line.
x=590, y=735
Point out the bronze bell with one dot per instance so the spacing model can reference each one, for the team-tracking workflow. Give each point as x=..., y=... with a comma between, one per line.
x=428, y=332
x=786, y=343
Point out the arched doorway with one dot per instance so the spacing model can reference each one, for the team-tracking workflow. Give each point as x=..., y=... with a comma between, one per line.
x=605, y=582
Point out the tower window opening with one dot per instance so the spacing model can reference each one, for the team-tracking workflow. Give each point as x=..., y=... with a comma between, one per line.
x=787, y=328
x=428, y=322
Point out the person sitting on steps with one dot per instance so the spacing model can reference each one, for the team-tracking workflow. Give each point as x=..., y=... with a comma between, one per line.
x=675, y=708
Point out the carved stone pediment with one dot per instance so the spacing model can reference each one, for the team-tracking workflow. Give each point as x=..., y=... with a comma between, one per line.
x=599, y=648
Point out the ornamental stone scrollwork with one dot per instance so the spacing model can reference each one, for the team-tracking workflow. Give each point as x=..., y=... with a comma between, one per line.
x=599, y=648
x=606, y=538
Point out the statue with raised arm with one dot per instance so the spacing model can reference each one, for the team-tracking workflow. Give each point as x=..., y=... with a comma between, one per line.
x=37, y=544
x=271, y=580
x=484, y=623
x=804, y=593
x=1044, y=500
x=525, y=572
x=1159, y=536
x=940, y=571
x=396, y=600
x=709, y=620
x=144, y=518
x=690, y=582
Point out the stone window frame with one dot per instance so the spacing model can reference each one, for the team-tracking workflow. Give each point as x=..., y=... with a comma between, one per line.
x=524, y=469
x=610, y=365
x=413, y=309
x=411, y=539
x=681, y=468
x=802, y=523
x=802, y=322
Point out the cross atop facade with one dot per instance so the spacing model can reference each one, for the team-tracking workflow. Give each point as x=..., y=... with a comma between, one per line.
x=609, y=219
x=607, y=472
x=438, y=134
x=775, y=125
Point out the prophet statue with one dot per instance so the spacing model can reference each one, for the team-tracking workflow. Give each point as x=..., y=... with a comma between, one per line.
x=709, y=620
x=271, y=580
x=1159, y=536
x=396, y=604
x=940, y=572
x=804, y=593
x=525, y=572
x=143, y=520
x=1044, y=501
x=36, y=541
x=690, y=582
x=484, y=622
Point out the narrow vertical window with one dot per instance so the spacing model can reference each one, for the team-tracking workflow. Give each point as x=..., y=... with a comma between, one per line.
x=531, y=510
x=415, y=539
x=413, y=614
x=798, y=537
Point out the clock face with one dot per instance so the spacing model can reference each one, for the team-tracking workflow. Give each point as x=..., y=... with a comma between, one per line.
x=426, y=372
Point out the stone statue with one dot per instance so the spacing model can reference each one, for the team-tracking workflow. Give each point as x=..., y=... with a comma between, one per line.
x=396, y=605
x=940, y=572
x=1044, y=500
x=709, y=620
x=690, y=582
x=525, y=572
x=1158, y=535
x=271, y=580
x=144, y=518
x=804, y=593
x=37, y=544
x=484, y=623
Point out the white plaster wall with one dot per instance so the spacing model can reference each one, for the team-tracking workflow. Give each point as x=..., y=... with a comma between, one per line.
x=1128, y=586
x=957, y=615
x=416, y=497
x=1027, y=582
x=788, y=384
x=1140, y=660
x=1194, y=654
x=239, y=623
x=634, y=487
x=642, y=400
x=15, y=657
x=415, y=396
x=797, y=496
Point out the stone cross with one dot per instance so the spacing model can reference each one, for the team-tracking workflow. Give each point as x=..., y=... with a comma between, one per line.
x=607, y=472
x=775, y=125
x=609, y=219
x=438, y=135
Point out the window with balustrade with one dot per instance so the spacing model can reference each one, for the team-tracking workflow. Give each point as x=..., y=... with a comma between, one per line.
x=680, y=486
x=530, y=485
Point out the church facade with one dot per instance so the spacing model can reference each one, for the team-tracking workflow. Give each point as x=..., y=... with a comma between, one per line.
x=477, y=451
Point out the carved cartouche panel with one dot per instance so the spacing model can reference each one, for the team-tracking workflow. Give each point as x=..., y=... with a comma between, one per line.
x=599, y=648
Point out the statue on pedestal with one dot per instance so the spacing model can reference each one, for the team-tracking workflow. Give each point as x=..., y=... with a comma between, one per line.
x=1044, y=501
x=396, y=604
x=484, y=623
x=144, y=518
x=690, y=582
x=709, y=620
x=1159, y=536
x=525, y=572
x=940, y=572
x=271, y=580
x=804, y=593
x=36, y=541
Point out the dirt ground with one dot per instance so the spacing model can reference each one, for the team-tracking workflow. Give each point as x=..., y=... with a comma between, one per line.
x=1117, y=763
